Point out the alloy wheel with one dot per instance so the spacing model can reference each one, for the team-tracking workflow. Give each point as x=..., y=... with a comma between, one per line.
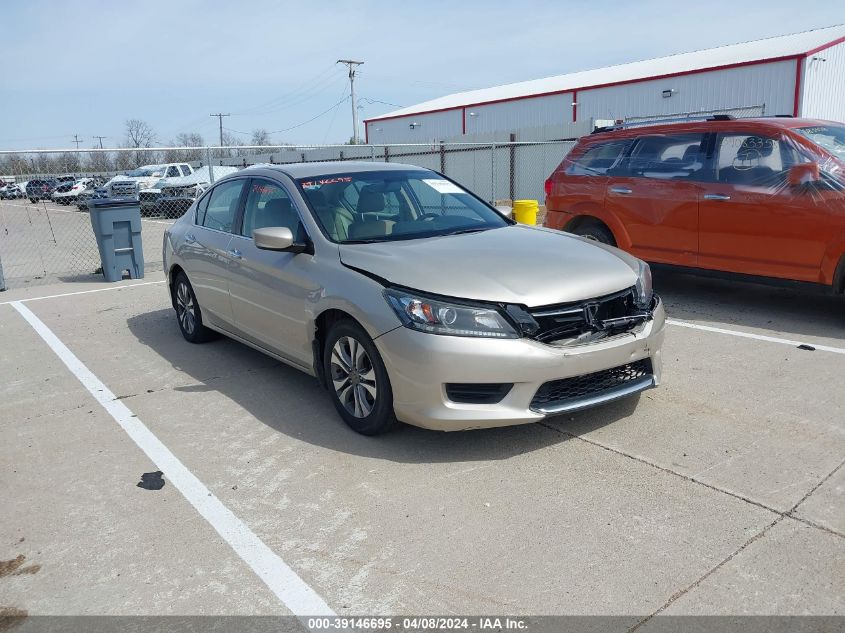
x=353, y=377
x=185, y=308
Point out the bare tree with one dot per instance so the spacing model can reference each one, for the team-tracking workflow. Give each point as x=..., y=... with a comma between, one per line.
x=232, y=143
x=260, y=136
x=192, y=141
x=139, y=133
x=99, y=161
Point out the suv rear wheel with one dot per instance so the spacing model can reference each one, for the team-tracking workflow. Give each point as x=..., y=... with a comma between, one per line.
x=594, y=230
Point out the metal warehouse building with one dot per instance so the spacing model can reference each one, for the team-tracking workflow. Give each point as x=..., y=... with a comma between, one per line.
x=801, y=75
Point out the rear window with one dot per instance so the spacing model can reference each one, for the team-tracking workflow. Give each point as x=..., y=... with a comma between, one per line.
x=598, y=158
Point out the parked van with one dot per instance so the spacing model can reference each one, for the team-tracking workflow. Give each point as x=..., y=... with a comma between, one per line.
x=762, y=197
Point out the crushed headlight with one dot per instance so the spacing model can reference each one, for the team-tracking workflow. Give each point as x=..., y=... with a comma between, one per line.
x=434, y=316
x=644, y=287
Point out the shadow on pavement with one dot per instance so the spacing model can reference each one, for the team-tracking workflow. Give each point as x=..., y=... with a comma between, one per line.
x=293, y=403
x=791, y=312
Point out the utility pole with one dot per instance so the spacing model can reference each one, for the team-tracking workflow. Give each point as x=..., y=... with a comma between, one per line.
x=220, y=116
x=100, y=138
x=77, y=140
x=351, y=64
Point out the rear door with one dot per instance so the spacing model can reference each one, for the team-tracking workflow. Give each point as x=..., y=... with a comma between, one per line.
x=655, y=194
x=578, y=187
x=752, y=220
x=207, y=253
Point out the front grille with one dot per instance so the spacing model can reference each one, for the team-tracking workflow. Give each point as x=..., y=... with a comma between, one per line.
x=477, y=393
x=606, y=316
x=568, y=390
x=148, y=196
x=123, y=189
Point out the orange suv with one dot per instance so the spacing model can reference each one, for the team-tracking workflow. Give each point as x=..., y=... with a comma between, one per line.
x=762, y=197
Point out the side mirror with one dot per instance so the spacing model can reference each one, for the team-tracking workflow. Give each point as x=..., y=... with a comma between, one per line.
x=803, y=173
x=276, y=238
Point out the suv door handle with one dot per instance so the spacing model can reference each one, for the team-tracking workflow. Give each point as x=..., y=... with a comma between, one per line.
x=235, y=253
x=189, y=238
x=623, y=190
x=716, y=196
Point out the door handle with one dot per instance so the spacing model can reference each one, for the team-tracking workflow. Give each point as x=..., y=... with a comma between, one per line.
x=716, y=196
x=623, y=190
x=189, y=238
x=235, y=253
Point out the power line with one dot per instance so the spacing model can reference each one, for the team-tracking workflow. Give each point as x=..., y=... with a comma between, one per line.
x=351, y=64
x=323, y=113
x=220, y=116
x=308, y=88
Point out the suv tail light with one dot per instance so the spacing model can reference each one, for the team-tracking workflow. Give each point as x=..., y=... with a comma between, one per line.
x=549, y=185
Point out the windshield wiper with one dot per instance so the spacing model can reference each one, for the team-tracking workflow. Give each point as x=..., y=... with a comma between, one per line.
x=371, y=240
x=463, y=231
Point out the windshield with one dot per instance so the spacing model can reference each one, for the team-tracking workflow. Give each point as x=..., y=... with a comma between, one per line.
x=381, y=206
x=830, y=137
x=142, y=172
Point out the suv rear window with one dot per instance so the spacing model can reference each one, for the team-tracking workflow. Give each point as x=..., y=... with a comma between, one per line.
x=598, y=159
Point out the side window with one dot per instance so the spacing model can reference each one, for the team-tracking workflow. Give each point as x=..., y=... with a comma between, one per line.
x=172, y=172
x=201, y=209
x=750, y=159
x=598, y=159
x=668, y=157
x=222, y=206
x=186, y=171
x=268, y=204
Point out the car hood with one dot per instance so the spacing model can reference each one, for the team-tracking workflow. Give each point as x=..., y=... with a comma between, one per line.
x=515, y=264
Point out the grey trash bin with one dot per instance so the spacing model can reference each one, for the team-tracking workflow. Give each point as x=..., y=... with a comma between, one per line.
x=117, y=227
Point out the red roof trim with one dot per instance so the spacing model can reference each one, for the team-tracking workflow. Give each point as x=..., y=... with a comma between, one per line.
x=824, y=46
x=682, y=73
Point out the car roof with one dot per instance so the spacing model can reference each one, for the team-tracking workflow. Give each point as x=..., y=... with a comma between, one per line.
x=721, y=125
x=312, y=170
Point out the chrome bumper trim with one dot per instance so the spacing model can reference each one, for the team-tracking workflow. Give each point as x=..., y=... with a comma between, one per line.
x=576, y=404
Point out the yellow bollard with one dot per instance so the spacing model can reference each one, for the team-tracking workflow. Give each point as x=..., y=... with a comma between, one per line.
x=525, y=211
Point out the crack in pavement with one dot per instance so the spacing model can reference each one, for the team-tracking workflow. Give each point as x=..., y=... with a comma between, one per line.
x=783, y=514
x=790, y=514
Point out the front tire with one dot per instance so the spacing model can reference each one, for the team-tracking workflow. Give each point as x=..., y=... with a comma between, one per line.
x=188, y=313
x=357, y=379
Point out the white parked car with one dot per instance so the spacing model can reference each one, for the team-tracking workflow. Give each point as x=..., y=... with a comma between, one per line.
x=69, y=193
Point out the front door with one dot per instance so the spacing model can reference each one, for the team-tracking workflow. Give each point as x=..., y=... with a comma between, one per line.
x=655, y=194
x=752, y=220
x=270, y=289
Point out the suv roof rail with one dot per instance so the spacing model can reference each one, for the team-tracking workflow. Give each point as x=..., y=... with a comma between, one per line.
x=646, y=122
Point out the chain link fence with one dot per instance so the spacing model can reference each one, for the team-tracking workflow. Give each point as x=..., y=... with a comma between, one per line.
x=45, y=230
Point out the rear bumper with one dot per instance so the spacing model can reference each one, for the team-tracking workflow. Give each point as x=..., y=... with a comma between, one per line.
x=557, y=219
x=420, y=365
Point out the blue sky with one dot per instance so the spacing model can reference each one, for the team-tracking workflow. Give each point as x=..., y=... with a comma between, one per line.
x=85, y=66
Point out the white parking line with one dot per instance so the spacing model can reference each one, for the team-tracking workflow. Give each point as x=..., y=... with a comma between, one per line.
x=758, y=337
x=83, y=292
x=291, y=590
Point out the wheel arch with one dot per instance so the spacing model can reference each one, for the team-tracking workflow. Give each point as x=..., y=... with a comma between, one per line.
x=322, y=325
x=594, y=213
